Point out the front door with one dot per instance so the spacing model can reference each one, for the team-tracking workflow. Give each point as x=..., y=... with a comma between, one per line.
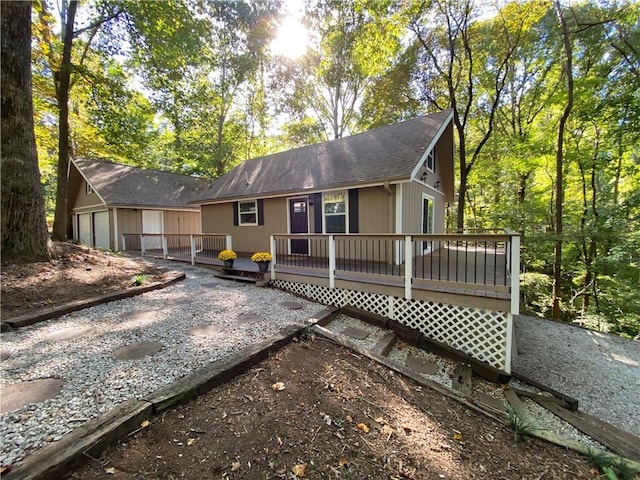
x=299, y=223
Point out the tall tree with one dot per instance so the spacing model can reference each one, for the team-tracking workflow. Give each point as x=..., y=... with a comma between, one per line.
x=559, y=200
x=24, y=229
x=60, y=51
x=464, y=66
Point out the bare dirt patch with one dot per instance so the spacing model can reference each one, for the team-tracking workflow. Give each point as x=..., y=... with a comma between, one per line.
x=77, y=272
x=317, y=410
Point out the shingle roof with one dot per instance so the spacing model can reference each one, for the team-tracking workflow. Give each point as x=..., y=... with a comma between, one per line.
x=383, y=154
x=123, y=185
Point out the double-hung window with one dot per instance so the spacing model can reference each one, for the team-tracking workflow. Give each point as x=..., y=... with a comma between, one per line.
x=335, y=212
x=248, y=213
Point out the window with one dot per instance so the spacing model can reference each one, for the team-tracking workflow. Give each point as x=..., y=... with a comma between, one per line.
x=247, y=213
x=430, y=161
x=335, y=212
x=88, y=188
x=299, y=206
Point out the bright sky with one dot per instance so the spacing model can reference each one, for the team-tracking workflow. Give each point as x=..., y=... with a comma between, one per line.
x=292, y=39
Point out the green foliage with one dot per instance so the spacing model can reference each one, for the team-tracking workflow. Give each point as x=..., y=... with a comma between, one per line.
x=139, y=280
x=520, y=427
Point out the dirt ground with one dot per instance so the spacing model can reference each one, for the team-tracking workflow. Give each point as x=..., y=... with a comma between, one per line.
x=317, y=410
x=76, y=272
x=311, y=410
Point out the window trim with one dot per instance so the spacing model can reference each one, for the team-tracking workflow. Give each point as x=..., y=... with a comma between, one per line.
x=345, y=194
x=431, y=155
x=254, y=211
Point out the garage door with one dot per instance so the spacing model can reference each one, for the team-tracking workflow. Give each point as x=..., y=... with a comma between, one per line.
x=101, y=229
x=152, y=223
x=84, y=228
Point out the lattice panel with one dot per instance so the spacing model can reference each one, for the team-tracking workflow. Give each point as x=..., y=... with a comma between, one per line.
x=482, y=334
x=371, y=302
x=479, y=333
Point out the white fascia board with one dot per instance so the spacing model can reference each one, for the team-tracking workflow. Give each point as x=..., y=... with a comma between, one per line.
x=87, y=180
x=431, y=145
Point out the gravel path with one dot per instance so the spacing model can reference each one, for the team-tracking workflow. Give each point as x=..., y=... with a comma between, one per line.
x=600, y=370
x=95, y=382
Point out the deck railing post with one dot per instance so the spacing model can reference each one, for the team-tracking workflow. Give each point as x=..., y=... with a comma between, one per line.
x=228, y=243
x=192, y=238
x=165, y=247
x=515, y=274
x=141, y=245
x=272, y=247
x=408, y=265
x=332, y=261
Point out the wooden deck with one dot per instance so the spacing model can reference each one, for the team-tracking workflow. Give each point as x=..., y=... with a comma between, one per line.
x=468, y=270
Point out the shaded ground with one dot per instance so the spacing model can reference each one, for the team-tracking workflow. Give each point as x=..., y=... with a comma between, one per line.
x=338, y=415
x=77, y=272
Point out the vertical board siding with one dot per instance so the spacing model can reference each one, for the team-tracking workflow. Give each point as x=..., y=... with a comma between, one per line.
x=375, y=210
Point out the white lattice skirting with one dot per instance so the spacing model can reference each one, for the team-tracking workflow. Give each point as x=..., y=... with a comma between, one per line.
x=482, y=334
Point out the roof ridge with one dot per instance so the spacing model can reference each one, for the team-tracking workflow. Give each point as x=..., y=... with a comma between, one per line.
x=142, y=169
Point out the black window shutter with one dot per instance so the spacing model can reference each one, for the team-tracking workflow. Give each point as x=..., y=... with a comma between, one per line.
x=235, y=214
x=353, y=211
x=260, y=212
x=317, y=212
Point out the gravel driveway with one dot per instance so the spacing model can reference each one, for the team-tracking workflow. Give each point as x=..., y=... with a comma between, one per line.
x=236, y=315
x=600, y=370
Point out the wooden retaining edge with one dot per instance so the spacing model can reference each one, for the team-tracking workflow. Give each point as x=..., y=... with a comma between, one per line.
x=417, y=339
x=612, y=437
x=571, y=402
x=28, y=319
x=499, y=416
x=448, y=392
x=56, y=459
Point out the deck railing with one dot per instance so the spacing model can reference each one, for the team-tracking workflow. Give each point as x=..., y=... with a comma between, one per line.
x=195, y=248
x=458, y=262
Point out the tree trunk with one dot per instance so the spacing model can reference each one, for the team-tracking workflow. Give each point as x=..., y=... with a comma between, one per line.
x=24, y=228
x=62, y=79
x=557, y=250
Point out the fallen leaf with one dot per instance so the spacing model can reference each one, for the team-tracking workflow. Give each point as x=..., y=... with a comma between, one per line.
x=343, y=462
x=300, y=470
x=363, y=427
x=145, y=424
x=110, y=470
x=387, y=430
x=191, y=441
x=235, y=466
x=349, y=418
x=458, y=436
x=327, y=419
x=278, y=386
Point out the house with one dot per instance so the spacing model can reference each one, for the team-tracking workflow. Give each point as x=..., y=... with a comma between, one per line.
x=393, y=179
x=361, y=221
x=109, y=199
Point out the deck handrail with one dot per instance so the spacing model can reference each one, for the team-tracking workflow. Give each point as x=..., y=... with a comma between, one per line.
x=471, y=261
x=192, y=246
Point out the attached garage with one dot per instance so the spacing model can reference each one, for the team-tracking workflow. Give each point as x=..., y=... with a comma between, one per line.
x=84, y=228
x=101, y=234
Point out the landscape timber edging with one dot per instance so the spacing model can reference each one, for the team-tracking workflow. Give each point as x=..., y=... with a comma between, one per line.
x=30, y=319
x=470, y=403
x=56, y=459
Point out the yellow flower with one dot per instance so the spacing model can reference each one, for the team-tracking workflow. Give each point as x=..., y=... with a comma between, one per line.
x=261, y=257
x=227, y=255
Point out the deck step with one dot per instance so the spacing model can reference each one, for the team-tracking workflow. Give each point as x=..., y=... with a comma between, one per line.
x=385, y=344
x=238, y=278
